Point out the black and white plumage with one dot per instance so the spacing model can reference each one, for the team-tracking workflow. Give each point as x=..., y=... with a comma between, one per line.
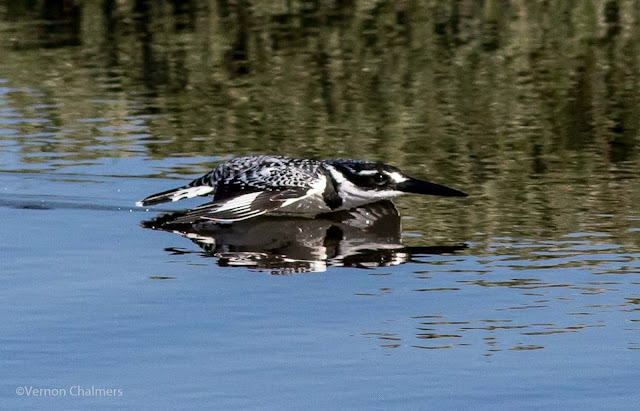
x=246, y=187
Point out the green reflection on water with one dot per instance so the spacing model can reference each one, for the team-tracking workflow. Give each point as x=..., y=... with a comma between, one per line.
x=530, y=107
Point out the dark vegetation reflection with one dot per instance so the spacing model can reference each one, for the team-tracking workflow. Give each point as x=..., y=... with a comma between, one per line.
x=471, y=93
x=365, y=237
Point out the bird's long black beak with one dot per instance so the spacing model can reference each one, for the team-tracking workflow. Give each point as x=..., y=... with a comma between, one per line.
x=413, y=185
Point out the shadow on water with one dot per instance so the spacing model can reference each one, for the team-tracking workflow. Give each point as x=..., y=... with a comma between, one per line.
x=366, y=237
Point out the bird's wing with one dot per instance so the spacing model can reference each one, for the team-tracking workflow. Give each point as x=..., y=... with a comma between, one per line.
x=244, y=206
x=260, y=178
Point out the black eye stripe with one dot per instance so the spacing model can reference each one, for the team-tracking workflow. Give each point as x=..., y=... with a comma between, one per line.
x=368, y=180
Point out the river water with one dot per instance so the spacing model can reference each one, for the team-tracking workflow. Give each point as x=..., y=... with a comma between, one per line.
x=526, y=294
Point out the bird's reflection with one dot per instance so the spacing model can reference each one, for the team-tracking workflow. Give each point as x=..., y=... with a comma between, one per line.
x=365, y=237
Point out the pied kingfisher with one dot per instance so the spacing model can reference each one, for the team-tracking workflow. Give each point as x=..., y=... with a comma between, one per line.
x=246, y=187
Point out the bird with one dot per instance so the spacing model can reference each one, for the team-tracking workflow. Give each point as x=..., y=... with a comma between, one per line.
x=249, y=186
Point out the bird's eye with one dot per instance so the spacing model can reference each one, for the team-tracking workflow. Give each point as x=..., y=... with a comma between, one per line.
x=380, y=179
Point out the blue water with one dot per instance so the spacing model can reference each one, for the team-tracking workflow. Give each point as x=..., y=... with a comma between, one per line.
x=528, y=297
x=92, y=299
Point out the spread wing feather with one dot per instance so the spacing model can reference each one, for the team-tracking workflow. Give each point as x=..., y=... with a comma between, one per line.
x=244, y=206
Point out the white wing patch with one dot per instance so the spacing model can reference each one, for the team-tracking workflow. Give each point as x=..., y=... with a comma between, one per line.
x=179, y=194
x=244, y=206
x=316, y=190
x=191, y=192
x=239, y=203
x=240, y=208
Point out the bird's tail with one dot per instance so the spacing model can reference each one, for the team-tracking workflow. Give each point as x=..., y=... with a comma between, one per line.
x=175, y=195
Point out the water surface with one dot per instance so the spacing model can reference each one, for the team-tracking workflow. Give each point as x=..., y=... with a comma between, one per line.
x=524, y=295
